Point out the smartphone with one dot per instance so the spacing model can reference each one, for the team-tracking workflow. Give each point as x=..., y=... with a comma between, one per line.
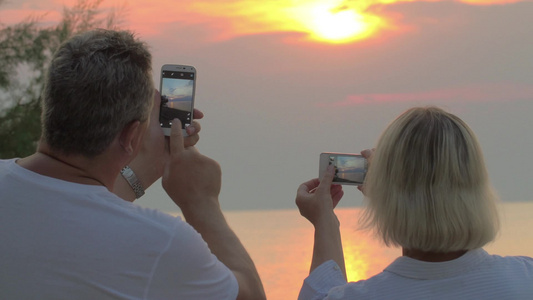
x=349, y=168
x=178, y=85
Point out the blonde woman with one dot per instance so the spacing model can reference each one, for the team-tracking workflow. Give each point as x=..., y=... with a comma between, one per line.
x=428, y=192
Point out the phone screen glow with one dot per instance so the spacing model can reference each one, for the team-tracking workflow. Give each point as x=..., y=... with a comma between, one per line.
x=177, y=93
x=348, y=168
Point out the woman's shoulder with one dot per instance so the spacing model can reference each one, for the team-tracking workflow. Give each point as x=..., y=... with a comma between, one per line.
x=518, y=261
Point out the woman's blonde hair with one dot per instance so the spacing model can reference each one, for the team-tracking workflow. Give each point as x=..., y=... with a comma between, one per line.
x=427, y=187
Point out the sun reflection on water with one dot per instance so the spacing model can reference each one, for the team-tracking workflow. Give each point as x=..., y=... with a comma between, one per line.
x=356, y=261
x=281, y=245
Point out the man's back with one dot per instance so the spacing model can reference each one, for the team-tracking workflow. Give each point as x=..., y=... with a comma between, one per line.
x=63, y=240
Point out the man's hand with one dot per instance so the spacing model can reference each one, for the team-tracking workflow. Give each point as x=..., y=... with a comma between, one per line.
x=153, y=155
x=191, y=179
x=193, y=129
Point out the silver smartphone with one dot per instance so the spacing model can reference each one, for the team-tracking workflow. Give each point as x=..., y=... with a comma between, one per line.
x=178, y=85
x=349, y=168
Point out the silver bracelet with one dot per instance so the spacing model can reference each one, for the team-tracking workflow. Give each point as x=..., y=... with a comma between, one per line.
x=134, y=182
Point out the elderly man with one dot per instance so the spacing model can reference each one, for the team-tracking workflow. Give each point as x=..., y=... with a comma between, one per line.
x=66, y=233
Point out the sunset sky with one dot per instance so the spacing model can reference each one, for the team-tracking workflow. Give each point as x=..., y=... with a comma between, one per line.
x=282, y=81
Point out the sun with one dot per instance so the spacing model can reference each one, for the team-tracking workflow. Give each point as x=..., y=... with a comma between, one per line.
x=331, y=25
x=339, y=25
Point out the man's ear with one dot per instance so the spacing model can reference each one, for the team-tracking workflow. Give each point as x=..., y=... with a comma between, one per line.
x=131, y=136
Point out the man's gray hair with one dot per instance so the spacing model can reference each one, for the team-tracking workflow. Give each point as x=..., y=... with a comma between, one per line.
x=97, y=83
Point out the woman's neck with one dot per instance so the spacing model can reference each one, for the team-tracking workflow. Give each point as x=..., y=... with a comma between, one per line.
x=432, y=256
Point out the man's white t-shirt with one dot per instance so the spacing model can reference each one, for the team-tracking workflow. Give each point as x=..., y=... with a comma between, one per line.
x=62, y=240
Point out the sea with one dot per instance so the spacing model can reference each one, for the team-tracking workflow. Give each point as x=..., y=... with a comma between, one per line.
x=281, y=242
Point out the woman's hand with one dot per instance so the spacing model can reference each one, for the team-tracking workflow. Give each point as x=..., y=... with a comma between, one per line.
x=317, y=199
x=367, y=153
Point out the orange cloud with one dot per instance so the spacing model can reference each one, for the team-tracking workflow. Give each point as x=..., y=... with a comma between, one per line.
x=325, y=20
x=332, y=21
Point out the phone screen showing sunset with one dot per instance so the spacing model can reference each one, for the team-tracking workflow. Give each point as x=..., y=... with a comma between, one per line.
x=177, y=92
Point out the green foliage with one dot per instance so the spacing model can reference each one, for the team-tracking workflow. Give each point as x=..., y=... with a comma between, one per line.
x=20, y=129
x=25, y=52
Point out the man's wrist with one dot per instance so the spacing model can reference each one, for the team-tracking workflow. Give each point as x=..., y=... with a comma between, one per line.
x=128, y=174
x=202, y=210
x=147, y=171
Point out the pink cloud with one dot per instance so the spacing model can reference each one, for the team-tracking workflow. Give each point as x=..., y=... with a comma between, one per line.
x=477, y=93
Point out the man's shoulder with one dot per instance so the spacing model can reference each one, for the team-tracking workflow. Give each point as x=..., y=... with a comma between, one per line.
x=139, y=215
x=6, y=164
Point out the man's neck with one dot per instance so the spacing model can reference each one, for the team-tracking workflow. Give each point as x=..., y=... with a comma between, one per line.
x=72, y=168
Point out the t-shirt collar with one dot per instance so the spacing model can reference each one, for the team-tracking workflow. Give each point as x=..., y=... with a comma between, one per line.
x=408, y=267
